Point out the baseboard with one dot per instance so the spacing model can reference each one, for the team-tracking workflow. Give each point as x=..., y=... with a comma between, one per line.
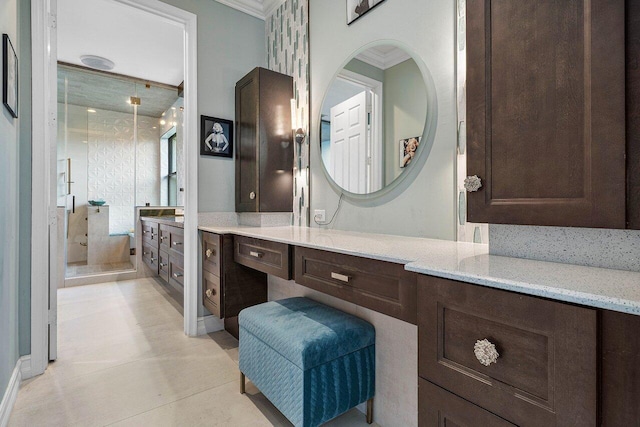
x=209, y=324
x=25, y=367
x=10, y=394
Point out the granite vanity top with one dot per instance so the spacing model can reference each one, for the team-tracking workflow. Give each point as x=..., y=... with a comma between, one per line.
x=174, y=221
x=595, y=287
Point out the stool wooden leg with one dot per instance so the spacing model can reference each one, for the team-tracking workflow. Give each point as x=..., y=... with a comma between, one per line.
x=370, y=411
x=242, y=378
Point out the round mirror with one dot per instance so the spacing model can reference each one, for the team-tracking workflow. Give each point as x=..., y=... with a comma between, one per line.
x=373, y=120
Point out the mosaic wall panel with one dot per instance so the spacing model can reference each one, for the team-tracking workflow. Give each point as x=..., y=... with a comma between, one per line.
x=287, y=31
x=112, y=161
x=467, y=232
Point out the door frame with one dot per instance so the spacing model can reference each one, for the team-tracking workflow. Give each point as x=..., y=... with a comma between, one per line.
x=44, y=124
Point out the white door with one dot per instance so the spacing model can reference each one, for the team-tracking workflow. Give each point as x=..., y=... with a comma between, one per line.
x=349, y=137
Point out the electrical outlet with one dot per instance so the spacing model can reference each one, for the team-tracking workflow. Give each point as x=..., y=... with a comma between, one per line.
x=319, y=215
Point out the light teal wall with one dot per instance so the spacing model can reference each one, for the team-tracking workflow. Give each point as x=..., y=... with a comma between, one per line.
x=423, y=205
x=9, y=215
x=364, y=69
x=230, y=44
x=405, y=107
x=24, y=291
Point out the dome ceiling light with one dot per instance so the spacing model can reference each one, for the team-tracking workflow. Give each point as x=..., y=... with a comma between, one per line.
x=97, y=62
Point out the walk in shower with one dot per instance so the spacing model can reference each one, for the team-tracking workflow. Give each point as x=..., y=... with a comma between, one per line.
x=115, y=134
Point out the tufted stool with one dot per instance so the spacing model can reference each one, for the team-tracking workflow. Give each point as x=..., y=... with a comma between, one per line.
x=311, y=361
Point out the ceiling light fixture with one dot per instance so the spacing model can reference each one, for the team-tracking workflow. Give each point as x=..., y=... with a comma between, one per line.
x=97, y=62
x=90, y=110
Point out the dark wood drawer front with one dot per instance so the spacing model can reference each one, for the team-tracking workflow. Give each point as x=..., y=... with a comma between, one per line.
x=163, y=265
x=268, y=257
x=211, y=253
x=381, y=286
x=150, y=232
x=176, y=239
x=439, y=408
x=150, y=256
x=176, y=271
x=545, y=373
x=164, y=237
x=212, y=295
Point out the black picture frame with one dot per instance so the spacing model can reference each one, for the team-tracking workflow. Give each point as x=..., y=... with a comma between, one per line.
x=356, y=9
x=209, y=147
x=9, y=76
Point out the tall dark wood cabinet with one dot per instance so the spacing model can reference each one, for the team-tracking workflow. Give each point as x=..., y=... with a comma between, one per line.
x=264, y=154
x=633, y=112
x=546, y=112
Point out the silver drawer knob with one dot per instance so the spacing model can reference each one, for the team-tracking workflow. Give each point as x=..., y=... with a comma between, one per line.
x=472, y=183
x=252, y=195
x=486, y=352
x=209, y=253
x=209, y=293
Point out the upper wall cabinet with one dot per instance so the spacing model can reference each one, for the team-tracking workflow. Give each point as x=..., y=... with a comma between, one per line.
x=264, y=155
x=546, y=112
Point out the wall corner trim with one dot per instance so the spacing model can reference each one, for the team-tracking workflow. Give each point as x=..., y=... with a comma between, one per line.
x=11, y=393
x=208, y=324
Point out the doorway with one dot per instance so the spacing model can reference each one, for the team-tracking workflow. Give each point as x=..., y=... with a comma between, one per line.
x=45, y=278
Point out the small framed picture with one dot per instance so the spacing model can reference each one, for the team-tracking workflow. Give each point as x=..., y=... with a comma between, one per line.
x=357, y=8
x=408, y=149
x=216, y=137
x=9, y=76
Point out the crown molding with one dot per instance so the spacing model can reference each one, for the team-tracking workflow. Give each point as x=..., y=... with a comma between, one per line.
x=270, y=6
x=254, y=8
x=383, y=61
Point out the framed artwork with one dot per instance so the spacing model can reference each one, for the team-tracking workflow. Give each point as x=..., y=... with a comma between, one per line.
x=216, y=137
x=357, y=8
x=9, y=76
x=408, y=148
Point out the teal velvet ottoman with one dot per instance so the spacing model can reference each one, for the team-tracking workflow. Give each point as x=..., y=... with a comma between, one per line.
x=311, y=361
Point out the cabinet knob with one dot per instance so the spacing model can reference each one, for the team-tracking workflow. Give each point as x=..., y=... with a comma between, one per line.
x=209, y=253
x=177, y=275
x=210, y=293
x=177, y=243
x=252, y=195
x=486, y=352
x=472, y=183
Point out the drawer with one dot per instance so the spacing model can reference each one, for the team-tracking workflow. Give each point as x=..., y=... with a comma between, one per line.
x=150, y=232
x=211, y=250
x=439, y=408
x=164, y=236
x=176, y=238
x=150, y=256
x=381, y=286
x=163, y=265
x=268, y=257
x=546, y=371
x=212, y=295
x=176, y=271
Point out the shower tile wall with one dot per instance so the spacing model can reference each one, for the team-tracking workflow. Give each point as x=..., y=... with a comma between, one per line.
x=287, y=34
x=112, y=162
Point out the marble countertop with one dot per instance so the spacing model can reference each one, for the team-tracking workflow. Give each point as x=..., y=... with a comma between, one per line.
x=174, y=221
x=595, y=287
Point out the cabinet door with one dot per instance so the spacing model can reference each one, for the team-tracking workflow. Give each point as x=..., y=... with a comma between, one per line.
x=546, y=112
x=247, y=91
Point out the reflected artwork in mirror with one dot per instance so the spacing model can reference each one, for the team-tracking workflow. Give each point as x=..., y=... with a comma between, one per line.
x=373, y=119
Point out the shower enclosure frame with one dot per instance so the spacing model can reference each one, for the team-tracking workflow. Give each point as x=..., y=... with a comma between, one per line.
x=44, y=162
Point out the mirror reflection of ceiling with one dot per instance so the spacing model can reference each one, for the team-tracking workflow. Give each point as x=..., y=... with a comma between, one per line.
x=100, y=91
x=372, y=120
x=140, y=44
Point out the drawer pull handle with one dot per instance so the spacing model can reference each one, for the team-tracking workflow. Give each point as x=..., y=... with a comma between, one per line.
x=177, y=243
x=340, y=277
x=145, y=253
x=144, y=232
x=210, y=253
x=153, y=259
x=210, y=293
x=162, y=238
x=486, y=352
x=162, y=264
x=255, y=254
x=177, y=275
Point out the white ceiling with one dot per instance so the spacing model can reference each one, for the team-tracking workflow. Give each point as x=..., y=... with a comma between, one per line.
x=141, y=44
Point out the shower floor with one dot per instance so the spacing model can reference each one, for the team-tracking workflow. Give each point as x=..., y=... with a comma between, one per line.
x=77, y=269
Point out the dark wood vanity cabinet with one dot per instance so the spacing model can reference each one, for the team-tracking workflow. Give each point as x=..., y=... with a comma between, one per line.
x=163, y=251
x=264, y=145
x=228, y=287
x=546, y=112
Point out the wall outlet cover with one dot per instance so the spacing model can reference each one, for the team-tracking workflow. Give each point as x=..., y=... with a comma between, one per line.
x=319, y=215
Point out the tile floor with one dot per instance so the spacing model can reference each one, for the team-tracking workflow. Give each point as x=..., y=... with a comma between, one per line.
x=78, y=269
x=124, y=360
